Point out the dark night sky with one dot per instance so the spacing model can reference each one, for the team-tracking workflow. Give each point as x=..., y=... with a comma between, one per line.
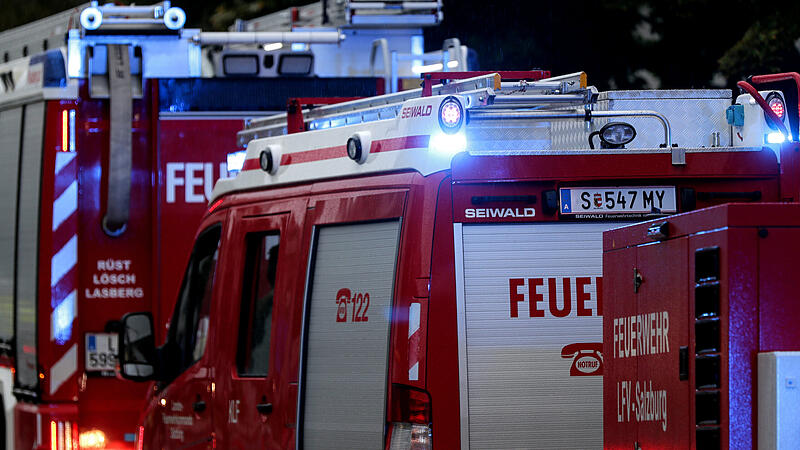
x=619, y=43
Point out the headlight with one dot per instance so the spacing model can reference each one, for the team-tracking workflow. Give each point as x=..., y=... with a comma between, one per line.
x=617, y=134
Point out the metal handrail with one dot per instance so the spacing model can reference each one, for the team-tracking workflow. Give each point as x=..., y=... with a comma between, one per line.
x=587, y=115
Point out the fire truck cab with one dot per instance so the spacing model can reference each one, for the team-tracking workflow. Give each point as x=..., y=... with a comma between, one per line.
x=424, y=268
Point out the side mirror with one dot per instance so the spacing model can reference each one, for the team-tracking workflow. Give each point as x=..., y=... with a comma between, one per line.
x=137, y=350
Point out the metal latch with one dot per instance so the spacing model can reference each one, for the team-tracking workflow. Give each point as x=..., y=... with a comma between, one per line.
x=678, y=156
x=658, y=231
x=637, y=280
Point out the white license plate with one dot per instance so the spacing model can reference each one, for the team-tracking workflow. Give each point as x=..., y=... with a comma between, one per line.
x=101, y=352
x=618, y=200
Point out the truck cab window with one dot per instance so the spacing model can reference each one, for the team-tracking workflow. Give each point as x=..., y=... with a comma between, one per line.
x=189, y=326
x=257, y=302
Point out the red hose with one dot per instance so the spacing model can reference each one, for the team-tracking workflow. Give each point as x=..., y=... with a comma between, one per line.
x=767, y=110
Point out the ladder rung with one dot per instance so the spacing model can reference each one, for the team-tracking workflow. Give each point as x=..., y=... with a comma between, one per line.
x=274, y=125
x=511, y=100
x=388, y=106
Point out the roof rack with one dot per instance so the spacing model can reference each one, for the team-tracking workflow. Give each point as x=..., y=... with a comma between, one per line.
x=349, y=13
x=485, y=90
x=38, y=36
x=50, y=32
x=158, y=17
x=532, y=116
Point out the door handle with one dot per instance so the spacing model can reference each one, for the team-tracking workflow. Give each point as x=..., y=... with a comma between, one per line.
x=264, y=408
x=199, y=406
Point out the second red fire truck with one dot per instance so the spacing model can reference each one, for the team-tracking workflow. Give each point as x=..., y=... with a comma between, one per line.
x=704, y=352
x=424, y=268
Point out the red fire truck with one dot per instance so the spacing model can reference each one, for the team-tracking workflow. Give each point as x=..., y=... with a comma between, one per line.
x=424, y=268
x=110, y=148
x=705, y=352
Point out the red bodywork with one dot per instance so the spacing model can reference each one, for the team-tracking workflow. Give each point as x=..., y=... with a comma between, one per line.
x=729, y=291
x=428, y=206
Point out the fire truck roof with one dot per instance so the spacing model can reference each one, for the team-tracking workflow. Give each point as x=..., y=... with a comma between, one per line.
x=482, y=115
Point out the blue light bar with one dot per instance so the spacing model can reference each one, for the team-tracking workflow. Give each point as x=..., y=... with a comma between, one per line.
x=775, y=137
x=236, y=162
x=63, y=317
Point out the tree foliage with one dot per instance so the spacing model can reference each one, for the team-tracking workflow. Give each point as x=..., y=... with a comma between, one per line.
x=627, y=43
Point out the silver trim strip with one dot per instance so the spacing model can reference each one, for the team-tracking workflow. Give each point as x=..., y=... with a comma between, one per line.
x=38, y=429
x=266, y=37
x=215, y=115
x=26, y=96
x=632, y=151
x=463, y=387
x=311, y=249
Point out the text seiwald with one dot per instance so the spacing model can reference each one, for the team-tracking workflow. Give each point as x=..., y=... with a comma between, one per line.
x=560, y=296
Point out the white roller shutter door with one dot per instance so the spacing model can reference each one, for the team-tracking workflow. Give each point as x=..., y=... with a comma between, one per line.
x=518, y=389
x=27, y=264
x=346, y=353
x=10, y=135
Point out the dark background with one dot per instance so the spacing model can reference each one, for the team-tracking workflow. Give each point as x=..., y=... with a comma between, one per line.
x=619, y=43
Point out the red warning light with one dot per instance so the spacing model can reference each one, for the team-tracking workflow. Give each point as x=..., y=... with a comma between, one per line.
x=776, y=104
x=214, y=206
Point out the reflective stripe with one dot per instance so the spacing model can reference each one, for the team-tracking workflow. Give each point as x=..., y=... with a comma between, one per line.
x=413, y=372
x=62, y=159
x=413, y=318
x=63, y=277
x=65, y=205
x=64, y=260
x=64, y=368
x=413, y=340
x=62, y=317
